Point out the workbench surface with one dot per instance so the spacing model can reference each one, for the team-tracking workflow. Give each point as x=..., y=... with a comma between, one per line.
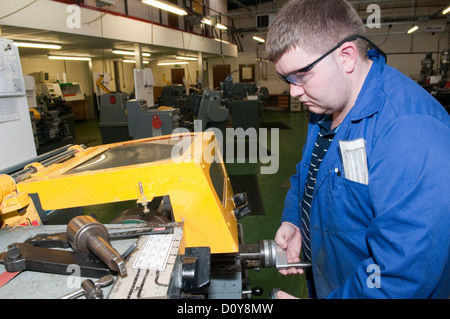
x=38, y=285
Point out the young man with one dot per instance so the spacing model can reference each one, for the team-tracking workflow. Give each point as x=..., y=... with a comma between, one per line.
x=370, y=202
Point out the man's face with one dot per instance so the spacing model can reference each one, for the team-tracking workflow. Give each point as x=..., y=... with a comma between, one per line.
x=324, y=90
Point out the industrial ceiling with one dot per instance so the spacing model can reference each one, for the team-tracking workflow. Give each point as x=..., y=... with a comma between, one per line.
x=398, y=11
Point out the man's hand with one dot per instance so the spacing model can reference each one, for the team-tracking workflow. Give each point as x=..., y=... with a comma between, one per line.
x=289, y=238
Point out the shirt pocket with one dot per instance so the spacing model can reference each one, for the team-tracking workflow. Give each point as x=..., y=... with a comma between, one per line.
x=345, y=205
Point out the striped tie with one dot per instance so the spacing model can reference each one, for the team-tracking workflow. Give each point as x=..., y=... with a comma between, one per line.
x=323, y=141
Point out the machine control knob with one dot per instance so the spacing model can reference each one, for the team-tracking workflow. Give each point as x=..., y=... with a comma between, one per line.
x=257, y=291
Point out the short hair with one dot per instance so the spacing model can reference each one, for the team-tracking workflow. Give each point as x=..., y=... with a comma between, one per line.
x=314, y=26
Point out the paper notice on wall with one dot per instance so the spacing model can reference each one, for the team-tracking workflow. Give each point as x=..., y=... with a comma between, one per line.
x=9, y=109
x=11, y=78
x=354, y=160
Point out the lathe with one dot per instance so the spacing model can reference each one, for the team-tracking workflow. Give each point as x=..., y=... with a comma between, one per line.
x=184, y=240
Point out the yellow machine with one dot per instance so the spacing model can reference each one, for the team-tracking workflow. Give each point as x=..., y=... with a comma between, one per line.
x=185, y=167
x=196, y=253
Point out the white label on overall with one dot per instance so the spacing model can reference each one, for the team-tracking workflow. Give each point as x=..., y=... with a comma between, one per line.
x=354, y=160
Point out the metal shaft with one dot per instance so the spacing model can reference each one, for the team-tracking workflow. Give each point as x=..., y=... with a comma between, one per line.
x=86, y=234
x=27, y=172
x=103, y=250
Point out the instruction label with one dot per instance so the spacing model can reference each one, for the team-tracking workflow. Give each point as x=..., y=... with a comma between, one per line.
x=155, y=252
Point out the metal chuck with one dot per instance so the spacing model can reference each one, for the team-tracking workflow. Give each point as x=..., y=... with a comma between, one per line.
x=86, y=234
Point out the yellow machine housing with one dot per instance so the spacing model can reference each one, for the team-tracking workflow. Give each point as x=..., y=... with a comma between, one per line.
x=186, y=167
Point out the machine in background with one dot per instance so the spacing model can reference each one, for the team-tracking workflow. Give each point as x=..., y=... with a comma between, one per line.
x=113, y=118
x=122, y=119
x=151, y=121
x=174, y=95
x=53, y=123
x=437, y=83
x=212, y=113
x=244, y=102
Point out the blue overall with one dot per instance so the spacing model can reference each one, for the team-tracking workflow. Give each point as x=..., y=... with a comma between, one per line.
x=391, y=237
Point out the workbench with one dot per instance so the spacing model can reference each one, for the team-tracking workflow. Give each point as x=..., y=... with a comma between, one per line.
x=38, y=285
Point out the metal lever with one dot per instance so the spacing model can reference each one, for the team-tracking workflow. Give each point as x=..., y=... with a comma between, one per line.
x=23, y=256
x=87, y=287
x=242, y=207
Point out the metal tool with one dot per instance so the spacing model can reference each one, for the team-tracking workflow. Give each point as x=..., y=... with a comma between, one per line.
x=86, y=234
x=266, y=254
x=281, y=260
x=91, y=289
x=24, y=256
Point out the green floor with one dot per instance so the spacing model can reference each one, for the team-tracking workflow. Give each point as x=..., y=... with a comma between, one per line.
x=272, y=187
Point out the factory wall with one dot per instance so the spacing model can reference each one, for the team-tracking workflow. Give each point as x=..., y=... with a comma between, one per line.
x=126, y=76
x=405, y=51
x=78, y=72
x=139, y=10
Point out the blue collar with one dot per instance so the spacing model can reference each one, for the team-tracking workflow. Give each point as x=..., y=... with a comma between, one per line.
x=367, y=102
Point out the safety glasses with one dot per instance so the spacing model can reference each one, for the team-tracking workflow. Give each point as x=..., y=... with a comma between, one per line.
x=301, y=76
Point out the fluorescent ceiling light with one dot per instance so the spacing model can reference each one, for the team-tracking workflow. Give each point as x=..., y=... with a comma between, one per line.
x=415, y=28
x=165, y=6
x=446, y=10
x=172, y=63
x=134, y=61
x=218, y=25
x=73, y=58
x=37, y=45
x=206, y=21
x=258, y=39
x=223, y=41
x=190, y=58
x=125, y=52
x=221, y=26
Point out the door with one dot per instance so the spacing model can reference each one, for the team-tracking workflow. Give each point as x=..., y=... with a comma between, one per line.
x=177, y=76
x=220, y=73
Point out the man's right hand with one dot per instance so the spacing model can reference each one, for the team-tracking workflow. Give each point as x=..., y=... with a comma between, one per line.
x=289, y=238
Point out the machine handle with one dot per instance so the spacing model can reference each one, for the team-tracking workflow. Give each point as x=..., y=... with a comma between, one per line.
x=242, y=207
